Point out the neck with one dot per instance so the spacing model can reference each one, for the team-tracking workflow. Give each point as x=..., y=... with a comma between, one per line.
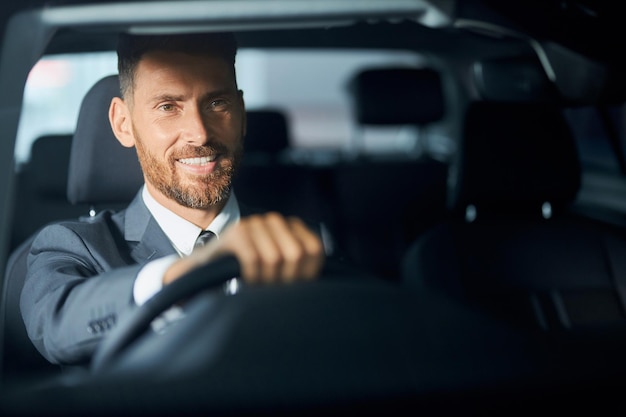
x=200, y=217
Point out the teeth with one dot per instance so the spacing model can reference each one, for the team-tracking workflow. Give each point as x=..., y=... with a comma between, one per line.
x=197, y=161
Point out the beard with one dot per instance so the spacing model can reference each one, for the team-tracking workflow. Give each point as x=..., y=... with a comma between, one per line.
x=198, y=192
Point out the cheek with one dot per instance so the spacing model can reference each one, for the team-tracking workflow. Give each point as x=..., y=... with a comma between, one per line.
x=151, y=153
x=159, y=137
x=227, y=129
x=238, y=125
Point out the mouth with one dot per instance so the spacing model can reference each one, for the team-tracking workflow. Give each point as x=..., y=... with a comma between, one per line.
x=199, y=165
x=198, y=161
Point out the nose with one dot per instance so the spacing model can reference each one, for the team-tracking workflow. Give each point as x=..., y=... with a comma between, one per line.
x=195, y=128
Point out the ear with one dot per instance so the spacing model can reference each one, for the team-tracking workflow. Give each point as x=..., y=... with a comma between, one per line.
x=119, y=117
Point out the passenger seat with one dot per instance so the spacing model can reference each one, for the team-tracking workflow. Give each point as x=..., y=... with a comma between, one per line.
x=513, y=246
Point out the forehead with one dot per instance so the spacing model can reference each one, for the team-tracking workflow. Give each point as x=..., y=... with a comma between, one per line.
x=169, y=68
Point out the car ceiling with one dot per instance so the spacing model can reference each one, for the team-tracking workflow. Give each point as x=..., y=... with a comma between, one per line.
x=590, y=27
x=585, y=27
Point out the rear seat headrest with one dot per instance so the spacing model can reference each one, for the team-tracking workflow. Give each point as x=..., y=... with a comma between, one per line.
x=393, y=96
x=101, y=170
x=514, y=156
x=48, y=165
x=267, y=131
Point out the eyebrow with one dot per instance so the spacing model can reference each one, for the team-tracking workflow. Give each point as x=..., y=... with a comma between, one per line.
x=167, y=97
x=207, y=96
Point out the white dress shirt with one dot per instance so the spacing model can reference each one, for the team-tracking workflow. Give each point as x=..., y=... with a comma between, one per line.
x=182, y=234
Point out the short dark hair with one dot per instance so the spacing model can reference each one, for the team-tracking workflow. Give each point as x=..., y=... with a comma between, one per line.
x=131, y=48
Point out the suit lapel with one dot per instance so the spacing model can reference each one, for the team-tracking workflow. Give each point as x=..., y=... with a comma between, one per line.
x=143, y=232
x=144, y=235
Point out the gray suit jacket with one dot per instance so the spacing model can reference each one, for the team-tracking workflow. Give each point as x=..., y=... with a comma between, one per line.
x=80, y=277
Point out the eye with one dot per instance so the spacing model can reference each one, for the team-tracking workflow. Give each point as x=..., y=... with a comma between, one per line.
x=167, y=107
x=218, y=104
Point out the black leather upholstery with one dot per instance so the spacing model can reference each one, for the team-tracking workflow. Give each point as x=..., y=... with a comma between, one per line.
x=514, y=156
x=267, y=131
x=40, y=188
x=393, y=96
x=382, y=204
x=520, y=252
x=101, y=170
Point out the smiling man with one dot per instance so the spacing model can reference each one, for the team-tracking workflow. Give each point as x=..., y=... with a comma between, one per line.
x=183, y=112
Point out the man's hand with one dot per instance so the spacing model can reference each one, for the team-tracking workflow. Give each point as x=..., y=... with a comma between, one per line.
x=269, y=247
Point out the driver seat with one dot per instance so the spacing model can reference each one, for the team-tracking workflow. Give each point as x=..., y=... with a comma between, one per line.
x=102, y=173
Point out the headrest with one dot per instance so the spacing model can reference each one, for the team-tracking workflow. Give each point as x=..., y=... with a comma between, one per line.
x=267, y=131
x=515, y=157
x=101, y=170
x=47, y=167
x=394, y=96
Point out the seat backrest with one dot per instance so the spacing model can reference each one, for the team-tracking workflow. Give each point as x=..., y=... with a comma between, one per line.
x=19, y=356
x=48, y=163
x=40, y=199
x=513, y=247
x=40, y=188
x=101, y=171
x=267, y=178
x=406, y=194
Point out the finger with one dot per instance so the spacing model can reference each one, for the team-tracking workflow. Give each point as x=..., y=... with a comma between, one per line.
x=313, y=258
x=267, y=248
x=301, y=248
x=292, y=252
x=237, y=240
x=272, y=248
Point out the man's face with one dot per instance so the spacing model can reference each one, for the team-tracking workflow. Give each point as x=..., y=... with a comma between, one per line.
x=188, y=122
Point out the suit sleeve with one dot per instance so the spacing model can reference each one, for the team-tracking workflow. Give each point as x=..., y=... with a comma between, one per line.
x=73, y=293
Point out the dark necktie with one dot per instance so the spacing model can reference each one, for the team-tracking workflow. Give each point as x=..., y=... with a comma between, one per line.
x=203, y=238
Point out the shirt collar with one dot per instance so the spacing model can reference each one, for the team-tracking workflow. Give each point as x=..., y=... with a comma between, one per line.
x=182, y=233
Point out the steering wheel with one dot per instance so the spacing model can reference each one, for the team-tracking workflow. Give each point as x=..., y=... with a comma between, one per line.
x=319, y=343
x=206, y=277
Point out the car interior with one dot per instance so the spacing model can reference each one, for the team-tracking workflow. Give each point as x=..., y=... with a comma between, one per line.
x=486, y=256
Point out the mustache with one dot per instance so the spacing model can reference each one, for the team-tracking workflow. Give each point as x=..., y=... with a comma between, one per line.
x=190, y=151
